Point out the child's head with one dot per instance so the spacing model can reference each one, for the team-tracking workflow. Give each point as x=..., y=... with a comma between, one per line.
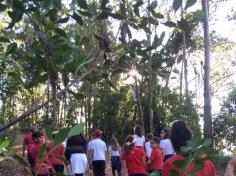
x=38, y=137
x=32, y=129
x=97, y=133
x=129, y=143
x=180, y=134
x=114, y=144
x=165, y=133
x=155, y=142
x=138, y=130
x=149, y=136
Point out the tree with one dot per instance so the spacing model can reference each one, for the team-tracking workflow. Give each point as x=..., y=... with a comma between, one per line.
x=207, y=98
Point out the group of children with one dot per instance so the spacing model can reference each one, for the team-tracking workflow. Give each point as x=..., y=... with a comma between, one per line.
x=138, y=157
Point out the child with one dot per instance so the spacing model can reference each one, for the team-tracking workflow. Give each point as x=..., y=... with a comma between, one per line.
x=180, y=134
x=114, y=154
x=56, y=157
x=165, y=144
x=42, y=166
x=134, y=159
x=156, y=159
x=97, y=153
x=147, y=145
x=138, y=136
x=28, y=140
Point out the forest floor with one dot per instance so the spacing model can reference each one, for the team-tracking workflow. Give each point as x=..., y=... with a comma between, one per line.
x=11, y=167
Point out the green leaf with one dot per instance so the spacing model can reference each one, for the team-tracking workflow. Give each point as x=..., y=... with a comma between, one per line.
x=61, y=136
x=170, y=24
x=152, y=6
x=103, y=15
x=77, y=129
x=199, y=14
x=175, y=70
x=85, y=13
x=52, y=13
x=20, y=159
x=180, y=58
x=198, y=166
x=63, y=20
x=48, y=131
x=158, y=15
x=117, y=16
x=183, y=25
x=77, y=18
x=118, y=47
x=154, y=173
x=49, y=27
x=2, y=7
x=83, y=4
x=5, y=143
x=190, y=3
x=136, y=7
x=207, y=142
x=61, y=32
x=41, y=152
x=186, y=149
x=161, y=38
x=4, y=39
x=177, y=4
x=11, y=48
x=18, y=5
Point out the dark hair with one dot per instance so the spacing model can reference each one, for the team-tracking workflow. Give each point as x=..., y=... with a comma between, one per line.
x=167, y=132
x=37, y=134
x=180, y=134
x=114, y=144
x=138, y=130
x=156, y=140
x=149, y=136
x=32, y=129
x=128, y=139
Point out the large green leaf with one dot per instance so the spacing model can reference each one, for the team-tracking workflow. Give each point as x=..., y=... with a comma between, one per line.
x=63, y=20
x=48, y=131
x=77, y=18
x=41, y=152
x=170, y=24
x=190, y=3
x=103, y=15
x=104, y=4
x=85, y=13
x=177, y=4
x=77, y=129
x=117, y=16
x=60, y=32
x=5, y=143
x=83, y=4
x=61, y=136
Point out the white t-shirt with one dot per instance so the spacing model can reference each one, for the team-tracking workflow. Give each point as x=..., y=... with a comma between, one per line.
x=148, y=149
x=166, y=146
x=99, y=149
x=139, y=141
x=114, y=152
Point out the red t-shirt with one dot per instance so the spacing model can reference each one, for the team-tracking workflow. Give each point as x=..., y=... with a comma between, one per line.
x=134, y=161
x=208, y=170
x=28, y=140
x=42, y=166
x=156, y=158
x=56, y=154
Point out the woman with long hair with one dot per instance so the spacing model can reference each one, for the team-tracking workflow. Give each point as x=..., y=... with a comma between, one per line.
x=139, y=137
x=114, y=155
x=165, y=144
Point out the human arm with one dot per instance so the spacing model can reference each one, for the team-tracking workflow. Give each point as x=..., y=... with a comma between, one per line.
x=123, y=168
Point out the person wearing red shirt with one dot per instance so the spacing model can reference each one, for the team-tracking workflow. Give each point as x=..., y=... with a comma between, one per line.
x=180, y=134
x=56, y=157
x=155, y=161
x=27, y=141
x=42, y=166
x=133, y=158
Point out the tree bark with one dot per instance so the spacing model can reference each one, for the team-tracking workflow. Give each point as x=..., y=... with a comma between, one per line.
x=207, y=98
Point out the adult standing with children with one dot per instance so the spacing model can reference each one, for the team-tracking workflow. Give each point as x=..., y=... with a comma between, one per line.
x=97, y=153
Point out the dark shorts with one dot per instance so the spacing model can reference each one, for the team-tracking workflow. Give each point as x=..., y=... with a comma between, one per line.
x=30, y=160
x=99, y=168
x=78, y=174
x=59, y=168
x=116, y=163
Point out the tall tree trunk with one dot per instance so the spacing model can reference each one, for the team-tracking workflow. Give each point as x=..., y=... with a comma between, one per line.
x=207, y=98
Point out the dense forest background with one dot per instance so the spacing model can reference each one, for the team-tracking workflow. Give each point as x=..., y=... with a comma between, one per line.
x=115, y=64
